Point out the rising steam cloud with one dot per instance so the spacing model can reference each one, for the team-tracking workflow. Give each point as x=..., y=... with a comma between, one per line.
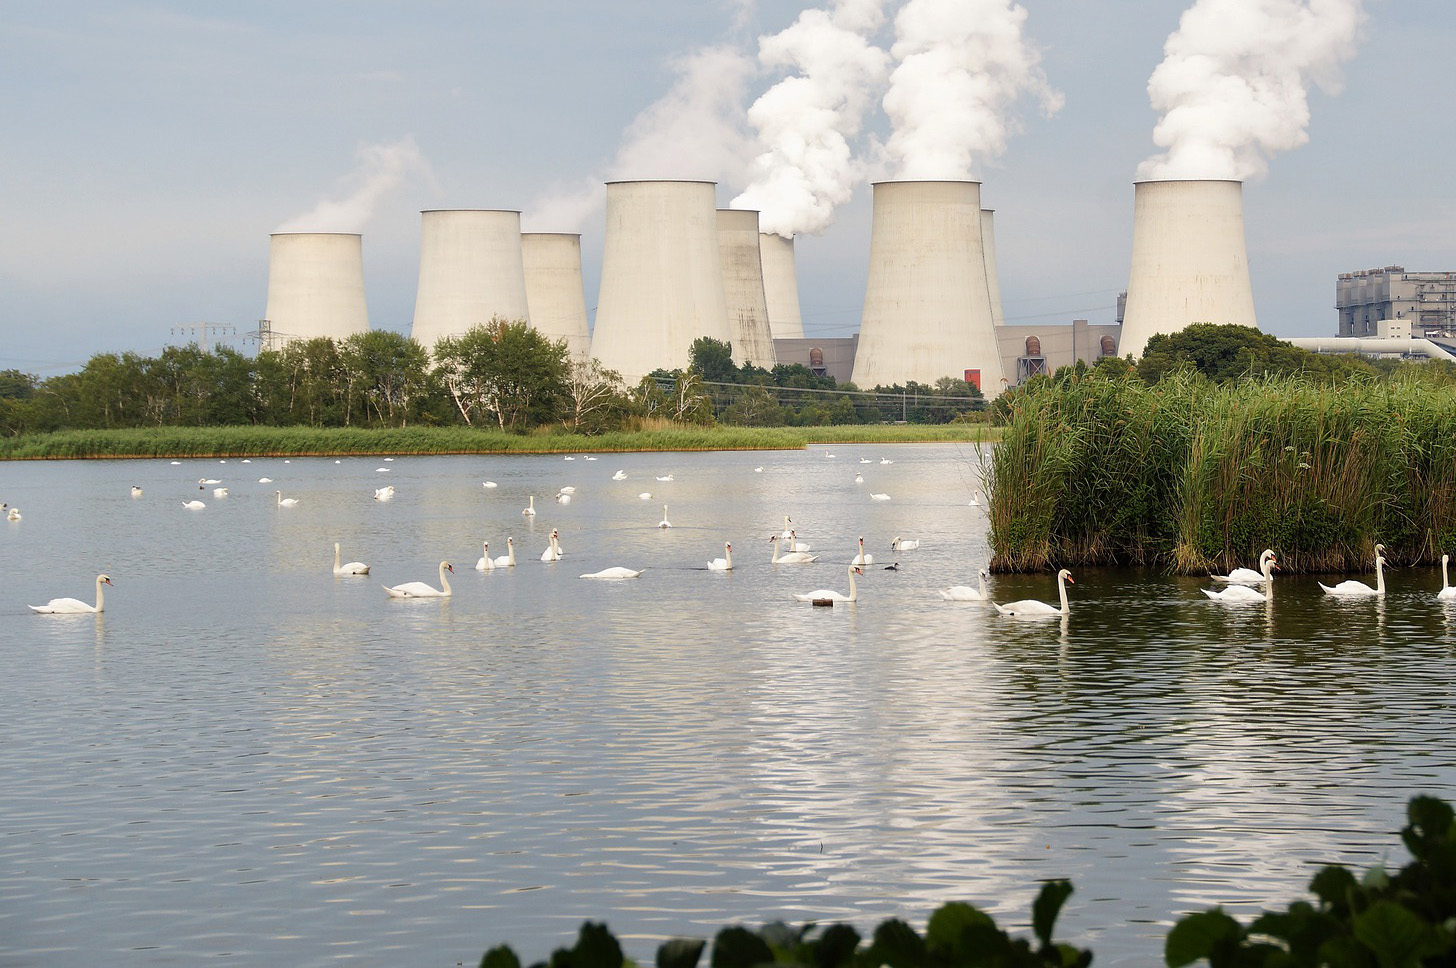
x=694, y=131
x=807, y=168
x=961, y=66
x=381, y=168
x=1233, y=87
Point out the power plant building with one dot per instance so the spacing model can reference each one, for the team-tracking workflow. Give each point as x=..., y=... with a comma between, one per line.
x=315, y=287
x=993, y=280
x=554, y=291
x=662, y=276
x=1189, y=261
x=781, y=286
x=743, y=287
x=927, y=309
x=1425, y=301
x=471, y=271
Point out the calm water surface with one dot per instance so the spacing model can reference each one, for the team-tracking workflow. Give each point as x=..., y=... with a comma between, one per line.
x=247, y=758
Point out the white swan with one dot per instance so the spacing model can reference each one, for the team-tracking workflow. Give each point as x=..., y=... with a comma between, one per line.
x=886, y=460
x=725, y=563
x=792, y=558
x=507, y=560
x=384, y=493
x=136, y=491
x=619, y=476
x=286, y=502
x=646, y=495
x=859, y=478
x=568, y=489
x=1358, y=589
x=795, y=544
x=352, y=568
x=862, y=558
x=1448, y=591
x=1237, y=594
x=418, y=589
x=73, y=606
x=208, y=480
x=1247, y=576
x=880, y=497
x=14, y=514
x=975, y=500
x=828, y=594
x=553, y=550
x=219, y=492
x=485, y=562
x=192, y=505
x=563, y=498
x=788, y=531
x=613, y=573
x=265, y=480
x=965, y=593
x=904, y=544
x=664, y=523
x=667, y=478
x=1031, y=608
x=488, y=484
x=530, y=509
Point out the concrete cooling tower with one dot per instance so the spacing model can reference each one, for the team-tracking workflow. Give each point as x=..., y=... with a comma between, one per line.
x=315, y=286
x=470, y=271
x=662, y=276
x=780, y=286
x=1189, y=264
x=554, y=290
x=993, y=279
x=927, y=308
x=743, y=288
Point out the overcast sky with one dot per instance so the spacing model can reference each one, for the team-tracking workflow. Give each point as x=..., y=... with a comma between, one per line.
x=150, y=148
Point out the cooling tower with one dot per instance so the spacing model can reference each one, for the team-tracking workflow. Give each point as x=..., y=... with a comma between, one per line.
x=1189, y=264
x=315, y=286
x=927, y=308
x=470, y=272
x=743, y=288
x=662, y=276
x=554, y=291
x=993, y=279
x=780, y=286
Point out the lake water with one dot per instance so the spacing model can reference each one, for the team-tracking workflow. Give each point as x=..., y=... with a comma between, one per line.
x=245, y=757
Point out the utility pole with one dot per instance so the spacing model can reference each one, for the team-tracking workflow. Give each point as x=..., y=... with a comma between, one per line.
x=205, y=331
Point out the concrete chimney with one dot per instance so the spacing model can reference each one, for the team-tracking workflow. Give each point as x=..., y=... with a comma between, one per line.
x=743, y=288
x=554, y=291
x=470, y=271
x=780, y=286
x=315, y=286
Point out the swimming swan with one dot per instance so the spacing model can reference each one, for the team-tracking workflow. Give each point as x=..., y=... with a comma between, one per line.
x=193, y=505
x=507, y=560
x=530, y=509
x=553, y=550
x=795, y=544
x=965, y=593
x=613, y=573
x=1247, y=576
x=1243, y=594
x=862, y=558
x=726, y=563
x=904, y=544
x=828, y=594
x=73, y=606
x=1358, y=589
x=792, y=558
x=1030, y=608
x=418, y=589
x=352, y=568
x=664, y=523
x=1448, y=591
x=484, y=562
x=286, y=502
x=384, y=493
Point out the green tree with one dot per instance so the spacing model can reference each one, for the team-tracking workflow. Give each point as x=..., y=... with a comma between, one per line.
x=506, y=369
x=597, y=399
x=1227, y=352
x=713, y=359
x=387, y=377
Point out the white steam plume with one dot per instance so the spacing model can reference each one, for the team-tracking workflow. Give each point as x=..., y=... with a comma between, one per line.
x=381, y=168
x=805, y=121
x=1233, y=87
x=961, y=65
x=694, y=131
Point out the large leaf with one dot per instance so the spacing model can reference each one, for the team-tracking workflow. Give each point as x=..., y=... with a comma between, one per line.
x=836, y=947
x=1397, y=937
x=952, y=925
x=1334, y=886
x=500, y=956
x=896, y=944
x=1046, y=907
x=680, y=953
x=738, y=947
x=1210, y=934
x=596, y=947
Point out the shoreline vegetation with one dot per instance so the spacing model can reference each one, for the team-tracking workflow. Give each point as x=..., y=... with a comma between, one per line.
x=235, y=442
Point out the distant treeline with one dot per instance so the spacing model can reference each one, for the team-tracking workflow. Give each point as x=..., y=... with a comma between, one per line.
x=1220, y=443
x=503, y=375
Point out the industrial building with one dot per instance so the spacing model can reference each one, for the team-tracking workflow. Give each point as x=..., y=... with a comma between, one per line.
x=1422, y=304
x=315, y=287
x=780, y=286
x=471, y=271
x=743, y=287
x=554, y=291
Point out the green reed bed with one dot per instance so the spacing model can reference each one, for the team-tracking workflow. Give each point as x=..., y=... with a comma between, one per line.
x=1198, y=477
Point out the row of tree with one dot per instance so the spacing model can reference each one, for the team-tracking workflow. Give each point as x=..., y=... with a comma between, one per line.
x=503, y=374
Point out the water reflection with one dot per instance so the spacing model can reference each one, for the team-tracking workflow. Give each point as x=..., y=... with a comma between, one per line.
x=243, y=732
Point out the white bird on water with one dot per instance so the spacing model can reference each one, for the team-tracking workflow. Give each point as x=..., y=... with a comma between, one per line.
x=286, y=502
x=619, y=476
x=488, y=484
x=862, y=558
x=418, y=589
x=725, y=563
x=219, y=492
x=1237, y=594
x=1448, y=591
x=827, y=594
x=612, y=574
x=1247, y=576
x=904, y=544
x=193, y=505
x=530, y=509
x=792, y=558
x=136, y=491
x=73, y=606
x=965, y=593
x=352, y=568
x=1030, y=608
x=384, y=493
x=1357, y=589
x=880, y=497
x=664, y=523
x=553, y=550
x=507, y=560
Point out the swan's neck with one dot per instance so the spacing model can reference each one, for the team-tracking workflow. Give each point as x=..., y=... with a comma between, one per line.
x=511, y=552
x=853, y=594
x=99, y=601
x=1062, y=589
x=444, y=581
x=1445, y=583
x=1379, y=575
x=336, y=556
x=728, y=554
x=775, y=554
x=985, y=595
x=1268, y=570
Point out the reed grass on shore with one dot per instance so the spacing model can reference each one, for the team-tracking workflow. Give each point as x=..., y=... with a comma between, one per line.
x=174, y=442
x=1200, y=477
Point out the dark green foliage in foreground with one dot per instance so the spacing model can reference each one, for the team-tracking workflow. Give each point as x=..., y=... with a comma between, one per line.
x=1401, y=920
x=957, y=935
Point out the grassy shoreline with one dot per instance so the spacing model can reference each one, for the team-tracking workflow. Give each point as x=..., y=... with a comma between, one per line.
x=177, y=442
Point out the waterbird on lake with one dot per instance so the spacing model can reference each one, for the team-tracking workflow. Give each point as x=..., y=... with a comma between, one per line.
x=384, y=493
x=619, y=476
x=1448, y=591
x=965, y=593
x=1238, y=594
x=73, y=606
x=664, y=523
x=613, y=574
x=507, y=560
x=351, y=568
x=418, y=589
x=136, y=491
x=792, y=558
x=880, y=497
x=488, y=484
x=219, y=492
x=286, y=502
x=530, y=509
x=904, y=544
x=193, y=505
x=553, y=550
x=725, y=563
x=1247, y=576
x=828, y=594
x=1357, y=589
x=1031, y=608
x=862, y=558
